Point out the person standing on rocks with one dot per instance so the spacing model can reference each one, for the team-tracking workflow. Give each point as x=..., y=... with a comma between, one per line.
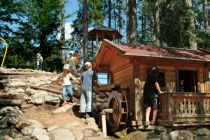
x=77, y=63
x=39, y=61
x=66, y=76
x=72, y=62
x=86, y=100
x=151, y=91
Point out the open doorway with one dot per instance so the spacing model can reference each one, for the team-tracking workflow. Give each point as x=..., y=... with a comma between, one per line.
x=188, y=81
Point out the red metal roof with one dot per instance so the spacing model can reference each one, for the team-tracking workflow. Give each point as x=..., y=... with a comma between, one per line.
x=162, y=52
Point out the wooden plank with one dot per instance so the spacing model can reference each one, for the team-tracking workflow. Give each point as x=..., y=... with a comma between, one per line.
x=104, y=88
x=47, y=89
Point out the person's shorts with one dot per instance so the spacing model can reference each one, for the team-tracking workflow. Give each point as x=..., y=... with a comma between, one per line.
x=77, y=66
x=151, y=102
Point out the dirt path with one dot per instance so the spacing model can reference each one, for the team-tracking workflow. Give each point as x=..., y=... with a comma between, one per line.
x=44, y=115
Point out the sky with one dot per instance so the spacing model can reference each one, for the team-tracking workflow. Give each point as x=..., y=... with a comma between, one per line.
x=70, y=7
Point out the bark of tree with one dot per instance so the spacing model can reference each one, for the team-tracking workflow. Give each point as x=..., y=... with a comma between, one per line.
x=192, y=41
x=205, y=6
x=62, y=38
x=120, y=20
x=42, y=37
x=110, y=14
x=85, y=30
x=142, y=25
x=115, y=15
x=157, y=20
x=131, y=22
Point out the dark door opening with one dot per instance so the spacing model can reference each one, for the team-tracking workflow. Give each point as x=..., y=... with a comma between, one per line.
x=188, y=81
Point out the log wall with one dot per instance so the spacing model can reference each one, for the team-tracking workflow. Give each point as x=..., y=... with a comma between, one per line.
x=122, y=74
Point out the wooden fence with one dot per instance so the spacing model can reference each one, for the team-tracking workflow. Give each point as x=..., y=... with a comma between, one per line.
x=184, y=109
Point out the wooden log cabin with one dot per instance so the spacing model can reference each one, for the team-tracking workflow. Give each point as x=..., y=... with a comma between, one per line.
x=184, y=76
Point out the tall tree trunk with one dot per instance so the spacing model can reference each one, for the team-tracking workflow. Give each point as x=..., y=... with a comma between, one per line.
x=192, y=41
x=142, y=23
x=42, y=37
x=62, y=38
x=115, y=15
x=127, y=22
x=157, y=21
x=205, y=7
x=120, y=19
x=85, y=30
x=110, y=14
x=131, y=22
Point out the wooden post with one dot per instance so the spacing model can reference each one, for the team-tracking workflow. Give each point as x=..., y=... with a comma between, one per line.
x=170, y=108
x=103, y=115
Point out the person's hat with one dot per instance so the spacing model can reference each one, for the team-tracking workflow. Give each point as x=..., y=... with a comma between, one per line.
x=70, y=52
x=88, y=64
x=66, y=66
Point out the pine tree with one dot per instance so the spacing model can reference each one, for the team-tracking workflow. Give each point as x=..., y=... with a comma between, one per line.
x=131, y=22
x=191, y=28
x=10, y=14
x=85, y=30
x=37, y=33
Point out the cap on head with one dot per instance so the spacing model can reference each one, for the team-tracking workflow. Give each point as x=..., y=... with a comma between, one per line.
x=70, y=52
x=66, y=66
x=88, y=65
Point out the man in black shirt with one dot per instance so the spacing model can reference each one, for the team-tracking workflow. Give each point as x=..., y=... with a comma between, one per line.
x=151, y=91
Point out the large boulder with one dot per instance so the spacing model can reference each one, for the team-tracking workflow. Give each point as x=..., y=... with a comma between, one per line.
x=62, y=134
x=181, y=134
x=202, y=132
x=40, y=134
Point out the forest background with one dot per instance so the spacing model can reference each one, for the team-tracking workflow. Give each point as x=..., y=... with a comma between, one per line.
x=32, y=26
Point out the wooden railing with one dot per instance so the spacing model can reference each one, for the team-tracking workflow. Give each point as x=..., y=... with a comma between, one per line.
x=184, y=109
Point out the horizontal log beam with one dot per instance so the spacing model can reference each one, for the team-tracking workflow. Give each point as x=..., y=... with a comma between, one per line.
x=10, y=102
x=46, y=89
x=105, y=88
x=8, y=96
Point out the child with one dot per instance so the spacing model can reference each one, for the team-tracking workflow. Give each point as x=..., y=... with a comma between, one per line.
x=67, y=86
x=72, y=62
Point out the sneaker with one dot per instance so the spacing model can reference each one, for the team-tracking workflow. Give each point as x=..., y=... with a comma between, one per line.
x=146, y=124
x=72, y=101
x=87, y=115
x=153, y=123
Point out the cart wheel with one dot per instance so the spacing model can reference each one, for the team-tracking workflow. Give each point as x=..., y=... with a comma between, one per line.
x=117, y=102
